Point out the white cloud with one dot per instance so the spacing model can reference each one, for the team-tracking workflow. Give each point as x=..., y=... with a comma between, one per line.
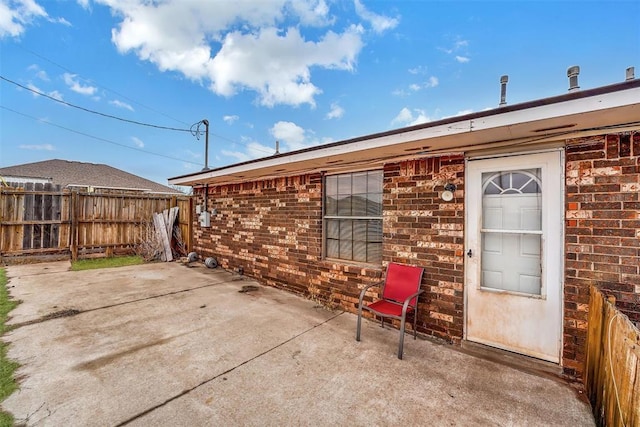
x=60, y=20
x=379, y=23
x=230, y=119
x=277, y=66
x=407, y=117
x=138, y=142
x=71, y=80
x=231, y=49
x=16, y=15
x=289, y=134
x=431, y=82
x=293, y=137
x=420, y=69
x=53, y=94
x=41, y=74
x=462, y=59
x=336, y=111
x=120, y=104
x=39, y=147
x=254, y=150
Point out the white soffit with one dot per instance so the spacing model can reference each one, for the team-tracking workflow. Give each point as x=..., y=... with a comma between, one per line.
x=477, y=131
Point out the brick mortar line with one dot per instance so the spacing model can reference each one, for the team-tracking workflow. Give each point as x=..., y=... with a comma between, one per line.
x=187, y=391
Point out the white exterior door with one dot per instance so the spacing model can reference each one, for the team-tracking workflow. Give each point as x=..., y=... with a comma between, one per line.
x=514, y=254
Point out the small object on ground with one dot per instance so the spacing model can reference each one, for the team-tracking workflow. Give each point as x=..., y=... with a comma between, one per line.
x=211, y=262
x=248, y=288
x=192, y=256
x=203, y=305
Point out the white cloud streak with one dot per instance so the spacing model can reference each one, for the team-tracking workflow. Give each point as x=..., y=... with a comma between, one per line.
x=230, y=119
x=379, y=23
x=260, y=46
x=121, y=104
x=336, y=111
x=406, y=117
x=37, y=147
x=137, y=142
x=71, y=80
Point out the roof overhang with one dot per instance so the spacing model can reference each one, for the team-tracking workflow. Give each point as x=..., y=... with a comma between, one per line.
x=532, y=124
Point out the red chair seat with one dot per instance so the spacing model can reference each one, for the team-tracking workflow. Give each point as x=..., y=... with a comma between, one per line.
x=387, y=308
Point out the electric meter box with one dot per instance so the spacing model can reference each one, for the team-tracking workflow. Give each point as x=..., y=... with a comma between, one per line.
x=205, y=219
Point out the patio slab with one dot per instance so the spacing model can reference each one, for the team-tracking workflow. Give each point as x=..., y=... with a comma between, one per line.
x=164, y=344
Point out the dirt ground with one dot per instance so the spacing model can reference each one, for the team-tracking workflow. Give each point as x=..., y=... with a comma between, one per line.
x=165, y=344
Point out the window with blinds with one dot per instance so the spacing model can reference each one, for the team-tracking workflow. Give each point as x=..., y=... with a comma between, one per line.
x=353, y=216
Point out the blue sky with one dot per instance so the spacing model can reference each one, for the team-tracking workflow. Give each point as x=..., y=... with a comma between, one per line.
x=301, y=72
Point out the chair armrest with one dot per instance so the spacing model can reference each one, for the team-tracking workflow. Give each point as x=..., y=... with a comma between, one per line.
x=409, y=298
x=364, y=290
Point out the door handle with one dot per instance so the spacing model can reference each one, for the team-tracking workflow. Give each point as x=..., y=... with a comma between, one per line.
x=469, y=253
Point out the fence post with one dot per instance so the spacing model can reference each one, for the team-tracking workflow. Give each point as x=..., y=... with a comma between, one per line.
x=73, y=235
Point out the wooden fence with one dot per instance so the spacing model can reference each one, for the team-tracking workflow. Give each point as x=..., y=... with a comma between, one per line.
x=42, y=219
x=613, y=369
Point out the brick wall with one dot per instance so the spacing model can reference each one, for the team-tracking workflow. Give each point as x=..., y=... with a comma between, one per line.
x=602, y=233
x=273, y=230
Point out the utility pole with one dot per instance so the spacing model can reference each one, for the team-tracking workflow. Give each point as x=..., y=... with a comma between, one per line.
x=206, y=145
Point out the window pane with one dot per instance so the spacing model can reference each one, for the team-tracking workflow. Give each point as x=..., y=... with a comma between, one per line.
x=333, y=248
x=333, y=229
x=360, y=251
x=359, y=183
x=331, y=185
x=345, y=229
x=346, y=249
x=374, y=182
x=374, y=252
x=344, y=206
x=360, y=230
x=374, y=204
x=331, y=206
x=359, y=205
x=344, y=184
x=374, y=231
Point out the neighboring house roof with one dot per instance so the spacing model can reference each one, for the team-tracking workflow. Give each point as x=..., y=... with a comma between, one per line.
x=78, y=174
x=578, y=113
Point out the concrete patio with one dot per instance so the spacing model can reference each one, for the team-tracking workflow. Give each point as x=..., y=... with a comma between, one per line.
x=165, y=344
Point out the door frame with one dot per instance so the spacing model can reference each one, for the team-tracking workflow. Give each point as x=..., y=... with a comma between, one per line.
x=561, y=218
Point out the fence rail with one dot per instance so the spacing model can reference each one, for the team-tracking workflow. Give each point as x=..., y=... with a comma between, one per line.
x=42, y=219
x=613, y=364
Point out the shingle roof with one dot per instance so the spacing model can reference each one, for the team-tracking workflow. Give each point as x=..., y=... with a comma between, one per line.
x=70, y=173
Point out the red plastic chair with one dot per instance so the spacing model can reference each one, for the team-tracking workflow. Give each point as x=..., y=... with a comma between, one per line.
x=400, y=293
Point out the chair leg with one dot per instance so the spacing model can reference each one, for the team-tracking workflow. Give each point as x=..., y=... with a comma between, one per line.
x=401, y=345
x=415, y=322
x=359, y=322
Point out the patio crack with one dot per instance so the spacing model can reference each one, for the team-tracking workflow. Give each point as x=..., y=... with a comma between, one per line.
x=74, y=312
x=189, y=390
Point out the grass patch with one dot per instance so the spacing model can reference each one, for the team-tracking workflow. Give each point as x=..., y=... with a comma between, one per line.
x=93, y=263
x=7, y=367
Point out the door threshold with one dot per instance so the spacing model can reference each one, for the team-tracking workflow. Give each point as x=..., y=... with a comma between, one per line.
x=514, y=360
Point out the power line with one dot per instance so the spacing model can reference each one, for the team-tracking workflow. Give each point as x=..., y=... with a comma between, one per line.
x=103, y=86
x=92, y=111
x=97, y=137
x=122, y=119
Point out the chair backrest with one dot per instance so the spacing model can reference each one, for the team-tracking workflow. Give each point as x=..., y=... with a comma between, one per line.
x=402, y=281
